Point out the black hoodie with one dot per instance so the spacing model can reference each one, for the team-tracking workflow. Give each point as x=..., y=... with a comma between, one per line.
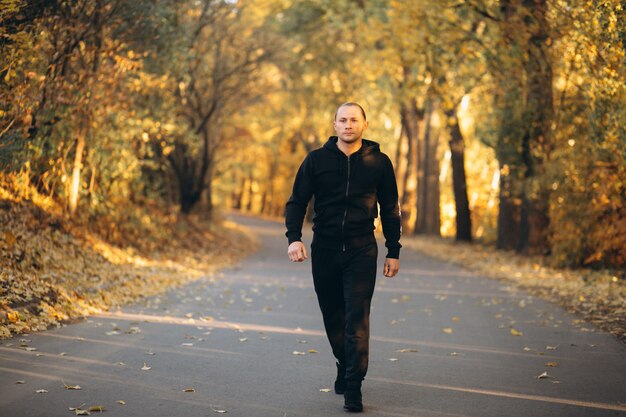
x=346, y=192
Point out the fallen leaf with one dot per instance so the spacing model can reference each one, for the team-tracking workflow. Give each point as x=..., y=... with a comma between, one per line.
x=13, y=316
x=97, y=409
x=447, y=330
x=189, y=390
x=243, y=339
x=312, y=351
x=219, y=411
x=20, y=382
x=187, y=344
x=30, y=349
x=295, y=352
x=544, y=376
x=146, y=367
x=63, y=354
x=552, y=364
x=121, y=402
x=72, y=387
x=325, y=390
x=393, y=359
x=457, y=319
x=551, y=347
x=407, y=350
x=515, y=332
x=41, y=391
x=79, y=412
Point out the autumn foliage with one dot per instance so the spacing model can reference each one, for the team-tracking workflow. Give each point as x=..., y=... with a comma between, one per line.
x=506, y=120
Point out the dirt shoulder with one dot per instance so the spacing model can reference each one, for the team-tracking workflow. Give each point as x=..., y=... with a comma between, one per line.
x=599, y=297
x=52, y=271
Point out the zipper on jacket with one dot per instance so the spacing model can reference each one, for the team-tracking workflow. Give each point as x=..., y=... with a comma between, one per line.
x=345, y=212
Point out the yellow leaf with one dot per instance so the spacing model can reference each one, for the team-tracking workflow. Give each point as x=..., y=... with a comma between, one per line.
x=312, y=351
x=515, y=332
x=552, y=364
x=97, y=409
x=447, y=330
x=13, y=316
x=73, y=387
x=121, y=402
x=457, y=319
x=325, y=390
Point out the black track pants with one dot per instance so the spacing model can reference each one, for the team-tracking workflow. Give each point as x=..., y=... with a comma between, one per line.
x=344, y=283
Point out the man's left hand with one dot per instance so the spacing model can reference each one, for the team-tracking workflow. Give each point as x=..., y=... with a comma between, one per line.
x=391, y=267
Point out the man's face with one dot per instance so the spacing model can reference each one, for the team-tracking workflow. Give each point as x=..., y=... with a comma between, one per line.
x=349, y=124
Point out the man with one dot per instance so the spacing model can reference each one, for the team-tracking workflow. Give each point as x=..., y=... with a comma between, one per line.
x=348, y=177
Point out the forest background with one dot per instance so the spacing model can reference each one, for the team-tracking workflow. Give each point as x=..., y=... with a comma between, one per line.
x=124, y=122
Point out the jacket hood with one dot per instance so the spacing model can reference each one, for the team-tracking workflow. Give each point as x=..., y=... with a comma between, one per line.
x=367, y=147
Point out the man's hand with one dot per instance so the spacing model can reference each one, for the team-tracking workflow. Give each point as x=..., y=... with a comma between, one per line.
x=297, y=252
x=391, y=267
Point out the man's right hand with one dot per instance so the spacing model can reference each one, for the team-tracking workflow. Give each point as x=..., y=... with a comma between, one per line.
x=297, y=252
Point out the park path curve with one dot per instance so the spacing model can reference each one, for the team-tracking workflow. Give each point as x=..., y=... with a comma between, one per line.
x=249, y=342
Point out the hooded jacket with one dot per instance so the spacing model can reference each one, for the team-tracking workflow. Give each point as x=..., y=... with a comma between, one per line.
x=347, y=192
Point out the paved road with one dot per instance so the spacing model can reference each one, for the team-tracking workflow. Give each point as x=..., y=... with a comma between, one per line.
x=249, y=341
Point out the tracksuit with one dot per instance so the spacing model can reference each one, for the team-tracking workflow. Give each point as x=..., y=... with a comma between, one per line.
x=347, y=192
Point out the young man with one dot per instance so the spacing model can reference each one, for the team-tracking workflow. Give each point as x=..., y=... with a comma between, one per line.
x=348, y=177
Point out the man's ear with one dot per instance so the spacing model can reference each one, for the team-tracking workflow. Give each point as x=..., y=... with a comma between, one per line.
x=365, y=124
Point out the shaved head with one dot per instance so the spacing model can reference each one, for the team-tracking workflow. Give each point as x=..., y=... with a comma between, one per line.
x=351, y=104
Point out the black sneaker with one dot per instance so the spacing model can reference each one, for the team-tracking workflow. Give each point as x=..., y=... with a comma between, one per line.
x=352, y=396
x=340, y=381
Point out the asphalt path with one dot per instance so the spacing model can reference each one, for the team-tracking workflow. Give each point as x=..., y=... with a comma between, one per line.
x=249, y=342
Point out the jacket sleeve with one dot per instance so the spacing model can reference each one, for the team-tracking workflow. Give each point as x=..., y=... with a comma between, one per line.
x=299, y=200
x=390, y=210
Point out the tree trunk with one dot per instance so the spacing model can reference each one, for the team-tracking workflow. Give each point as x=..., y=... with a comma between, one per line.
x=81, y=143
x=537, y=144
x=401, y=161
x=428, y=220
x=411, y=117
x=459, y=183
x=508, y=215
